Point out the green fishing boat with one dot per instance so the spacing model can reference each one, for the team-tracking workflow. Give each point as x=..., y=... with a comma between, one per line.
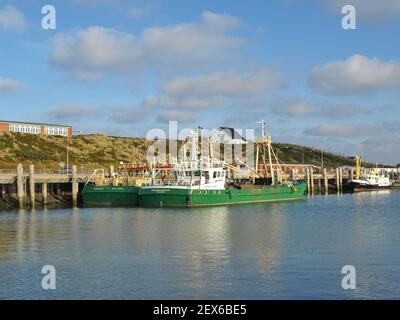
x=169, y=196
x=114, y=190
x=110, y=196
x=202, y=182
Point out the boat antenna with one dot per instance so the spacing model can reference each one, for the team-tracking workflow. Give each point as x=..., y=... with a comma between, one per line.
x=263, y=129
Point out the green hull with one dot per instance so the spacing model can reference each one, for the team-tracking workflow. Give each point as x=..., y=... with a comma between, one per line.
x=182, y=197
x=110, y=196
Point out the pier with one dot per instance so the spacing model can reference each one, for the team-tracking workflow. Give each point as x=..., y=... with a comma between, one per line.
x=28, y=187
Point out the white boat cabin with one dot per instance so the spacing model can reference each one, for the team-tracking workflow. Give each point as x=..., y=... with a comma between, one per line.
x=374, y=179
x=203, y=179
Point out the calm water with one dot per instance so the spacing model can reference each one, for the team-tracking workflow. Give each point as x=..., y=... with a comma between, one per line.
x=271, y=251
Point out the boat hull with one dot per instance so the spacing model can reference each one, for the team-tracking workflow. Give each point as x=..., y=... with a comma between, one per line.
x=110, y=196
x=356, y=187
x=183, y=197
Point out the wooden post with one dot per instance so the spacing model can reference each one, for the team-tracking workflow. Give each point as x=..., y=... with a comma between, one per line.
x=3, y=191
x=20, y=186
x=326, y=181
x=74, y=187
x=44, y=193
x=32, y=185
x=341, y=178
x=319, y=184
x=337, y=180
x=312, y=180
x=308, y=180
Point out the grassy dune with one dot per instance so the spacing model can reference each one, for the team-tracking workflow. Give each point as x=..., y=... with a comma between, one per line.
x=97, y=150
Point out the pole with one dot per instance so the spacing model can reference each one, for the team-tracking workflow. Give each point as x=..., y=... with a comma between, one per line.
x=32, y=185
x=326, y=181
x=269, y=140
x=74, y=187
x=20, y=186
x=312, y=180
x=67, y=154
x=44, y=193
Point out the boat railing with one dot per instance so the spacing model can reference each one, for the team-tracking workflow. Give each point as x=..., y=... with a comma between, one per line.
x=172, y=183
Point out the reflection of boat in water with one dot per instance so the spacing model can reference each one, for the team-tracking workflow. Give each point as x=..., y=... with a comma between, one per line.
x=371, y=181
x=202, y=182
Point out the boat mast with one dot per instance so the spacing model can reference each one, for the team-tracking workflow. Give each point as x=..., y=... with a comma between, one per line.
x=194, y=149
x=269, y=143
x=358, y=167
x=265, y=139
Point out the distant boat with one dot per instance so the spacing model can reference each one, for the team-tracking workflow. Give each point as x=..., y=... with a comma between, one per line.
x=373, y=180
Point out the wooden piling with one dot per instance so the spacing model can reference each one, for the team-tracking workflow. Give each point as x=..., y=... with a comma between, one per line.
x=3, y=191
x=308, y=180
x=312, y=180
x=319, y=185
x=325, y=181
x=32, y=185
x=44, y=192
x=20, y=186
x=74, y=187
x=337, y=180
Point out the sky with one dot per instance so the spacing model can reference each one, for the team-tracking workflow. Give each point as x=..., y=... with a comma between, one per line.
x=124, y=67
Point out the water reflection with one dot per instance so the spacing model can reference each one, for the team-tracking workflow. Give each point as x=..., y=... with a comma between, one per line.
x=281, y=250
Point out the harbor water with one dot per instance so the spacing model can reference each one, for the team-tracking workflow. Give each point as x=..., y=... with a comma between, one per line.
x=293, y=250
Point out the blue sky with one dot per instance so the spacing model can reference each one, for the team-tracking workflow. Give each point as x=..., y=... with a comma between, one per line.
x=123, y=67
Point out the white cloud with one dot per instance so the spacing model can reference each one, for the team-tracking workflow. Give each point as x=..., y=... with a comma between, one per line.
x=289, y=106
x=368, y=10
x=216, y=90
x=177, y=115
x=125, y=115
x=382, y=148
x=187, y=46
x=357, y=75
x=341, y=130
x=136, y=11
x=8, y=85
x=95, y=49
x=225, y=84
x=171, y=102
x=293, y=107
x=72, y=113
x=12, y=19
x=97, y=2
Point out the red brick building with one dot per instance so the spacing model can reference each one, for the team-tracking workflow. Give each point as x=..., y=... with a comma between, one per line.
x=36, y=128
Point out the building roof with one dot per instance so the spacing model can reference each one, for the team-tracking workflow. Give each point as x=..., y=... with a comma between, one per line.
x=232, y=133
x=36, y=123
